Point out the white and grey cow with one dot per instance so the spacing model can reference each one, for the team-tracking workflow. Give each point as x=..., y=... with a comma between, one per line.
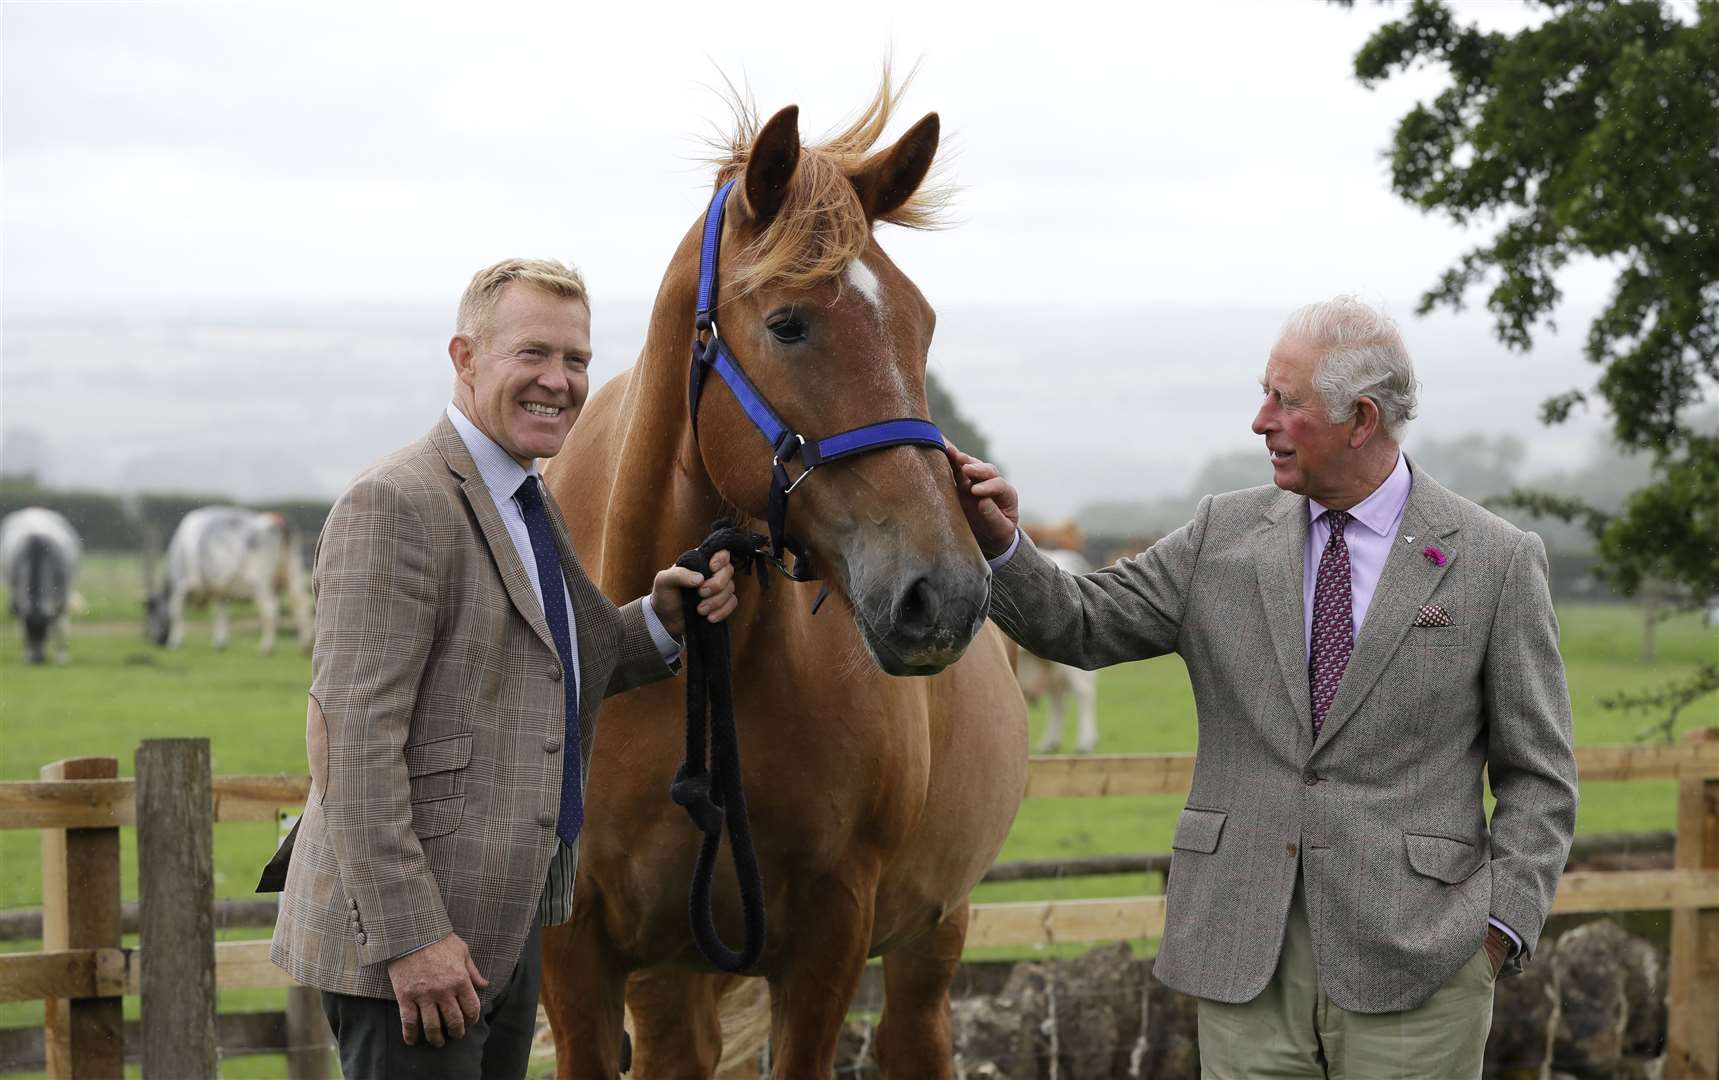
x=1061, y=684
x=39, y=553
x=224, y=553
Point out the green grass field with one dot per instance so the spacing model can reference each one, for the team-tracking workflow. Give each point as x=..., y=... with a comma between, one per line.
x=118, y=690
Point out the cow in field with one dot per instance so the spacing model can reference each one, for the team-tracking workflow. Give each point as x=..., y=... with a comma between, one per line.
x=223, y=553
x=1060, y=684
x=39, y=552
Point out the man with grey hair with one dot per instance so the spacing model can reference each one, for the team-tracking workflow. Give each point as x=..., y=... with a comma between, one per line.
x=1364, y=647
x=461, y=655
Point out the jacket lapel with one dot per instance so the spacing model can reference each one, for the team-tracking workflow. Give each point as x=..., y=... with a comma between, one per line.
x=1406, y=583
x=1280, y=554
x=513, y=575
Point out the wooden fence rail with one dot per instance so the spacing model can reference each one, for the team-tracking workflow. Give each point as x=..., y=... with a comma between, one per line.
x=80, y=808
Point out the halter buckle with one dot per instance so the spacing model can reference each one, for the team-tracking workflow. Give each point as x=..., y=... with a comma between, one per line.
x=807, y=471
x=787, y=447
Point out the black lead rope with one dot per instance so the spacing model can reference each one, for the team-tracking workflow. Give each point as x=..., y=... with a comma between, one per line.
x=712, y=793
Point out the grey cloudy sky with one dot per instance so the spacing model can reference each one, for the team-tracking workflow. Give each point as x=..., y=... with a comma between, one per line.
x=1146, y=191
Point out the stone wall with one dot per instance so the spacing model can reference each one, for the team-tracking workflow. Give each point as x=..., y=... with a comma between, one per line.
x=1590, y=1006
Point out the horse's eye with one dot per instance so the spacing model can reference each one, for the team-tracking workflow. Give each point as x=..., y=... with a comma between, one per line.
x=786, y=327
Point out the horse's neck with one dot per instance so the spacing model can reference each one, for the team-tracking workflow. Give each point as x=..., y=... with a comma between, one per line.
x=662, y=501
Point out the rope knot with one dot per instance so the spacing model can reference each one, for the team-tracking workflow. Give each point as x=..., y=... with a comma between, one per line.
x=693, y=793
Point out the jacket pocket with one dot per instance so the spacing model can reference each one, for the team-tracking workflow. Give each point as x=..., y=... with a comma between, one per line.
x=438, y=817
x=1443, y=858
x=1198, y=830
x=439, y=755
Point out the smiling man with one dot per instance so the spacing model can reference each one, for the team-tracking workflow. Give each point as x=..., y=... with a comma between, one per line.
x=461, y=655
x=1364, y=647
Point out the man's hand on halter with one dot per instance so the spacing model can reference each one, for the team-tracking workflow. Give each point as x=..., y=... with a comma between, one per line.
x=716, y=599
x=991, y=503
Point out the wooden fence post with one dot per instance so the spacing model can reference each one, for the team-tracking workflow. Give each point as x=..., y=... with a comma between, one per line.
x=309, y=1039
x=82, y=1037
x=176, y=898
x=1692, y=1041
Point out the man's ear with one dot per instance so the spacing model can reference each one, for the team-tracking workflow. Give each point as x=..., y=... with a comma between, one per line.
x=460, y=351
x=1366, y=421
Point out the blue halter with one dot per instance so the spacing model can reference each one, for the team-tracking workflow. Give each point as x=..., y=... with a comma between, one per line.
x=709, y=353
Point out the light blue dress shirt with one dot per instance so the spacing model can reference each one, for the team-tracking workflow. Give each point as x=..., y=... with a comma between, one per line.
x=502, y=476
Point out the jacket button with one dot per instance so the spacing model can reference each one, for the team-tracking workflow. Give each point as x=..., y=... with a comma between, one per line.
x=554, y=674
x=354, y=905
x=546, y=819
x=551, y=745
x=1291, y=849
x=363, y=937
x=1309, y=777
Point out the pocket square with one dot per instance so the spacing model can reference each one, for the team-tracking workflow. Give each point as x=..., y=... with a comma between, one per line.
x=1432, y=615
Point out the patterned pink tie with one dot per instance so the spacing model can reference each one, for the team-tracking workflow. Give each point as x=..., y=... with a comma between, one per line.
x=1333, y=621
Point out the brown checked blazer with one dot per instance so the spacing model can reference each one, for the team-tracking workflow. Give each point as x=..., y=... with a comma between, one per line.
x=435, y=726
x=1383, y=815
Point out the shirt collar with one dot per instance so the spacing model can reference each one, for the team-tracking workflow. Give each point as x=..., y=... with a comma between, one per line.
x=501, y=474
x=1380, y=510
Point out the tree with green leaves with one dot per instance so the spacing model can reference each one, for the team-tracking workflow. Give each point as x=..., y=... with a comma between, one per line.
x=948, y=418
x=1592, y=134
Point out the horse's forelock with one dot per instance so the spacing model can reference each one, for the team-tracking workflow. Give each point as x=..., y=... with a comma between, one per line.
x=822, y=226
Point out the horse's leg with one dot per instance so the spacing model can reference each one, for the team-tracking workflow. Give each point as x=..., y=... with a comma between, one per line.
x=584, y=990
x=677, y=1027
x=270, y=609
x=915, y=1038
x=62, y=654
x=819, y=975
x=1052, y=740
x=1086, y=708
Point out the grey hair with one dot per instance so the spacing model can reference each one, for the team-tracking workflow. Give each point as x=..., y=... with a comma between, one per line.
x=1361, y=354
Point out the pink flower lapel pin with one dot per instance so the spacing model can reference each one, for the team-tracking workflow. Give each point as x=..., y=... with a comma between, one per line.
x=1435, y=556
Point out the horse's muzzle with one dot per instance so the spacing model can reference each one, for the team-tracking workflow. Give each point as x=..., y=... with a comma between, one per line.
x=921, y=621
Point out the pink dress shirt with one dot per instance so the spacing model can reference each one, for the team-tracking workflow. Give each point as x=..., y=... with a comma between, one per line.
x=1380, y=514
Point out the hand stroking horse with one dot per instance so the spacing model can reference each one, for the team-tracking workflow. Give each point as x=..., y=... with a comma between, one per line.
x=876, y=801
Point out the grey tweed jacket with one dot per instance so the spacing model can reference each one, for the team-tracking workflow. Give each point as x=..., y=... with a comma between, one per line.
x=1383, y=815
x=435, y=726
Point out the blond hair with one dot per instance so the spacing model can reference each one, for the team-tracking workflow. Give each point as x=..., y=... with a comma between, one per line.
x=477, y=306
x=821, y=226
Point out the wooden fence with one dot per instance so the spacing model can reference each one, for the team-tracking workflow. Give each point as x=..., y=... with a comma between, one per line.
x=84, y=970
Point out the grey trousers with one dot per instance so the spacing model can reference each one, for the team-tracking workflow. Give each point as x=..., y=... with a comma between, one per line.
x=497, y=1047
x=1293, y=1031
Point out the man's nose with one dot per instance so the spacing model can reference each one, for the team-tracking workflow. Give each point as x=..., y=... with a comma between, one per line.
x=554, y=379
x=1262, y=420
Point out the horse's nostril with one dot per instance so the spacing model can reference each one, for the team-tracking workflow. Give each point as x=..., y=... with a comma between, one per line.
x=916, y=609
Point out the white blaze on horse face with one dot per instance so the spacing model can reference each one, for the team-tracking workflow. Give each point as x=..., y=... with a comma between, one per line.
x=864, y=282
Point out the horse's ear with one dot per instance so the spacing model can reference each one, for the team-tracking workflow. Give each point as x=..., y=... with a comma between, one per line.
x=890, y=179
x=770, y=165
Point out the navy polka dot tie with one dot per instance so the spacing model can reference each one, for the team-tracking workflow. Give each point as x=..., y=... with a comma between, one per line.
x=1333, y=621
x=543, y=549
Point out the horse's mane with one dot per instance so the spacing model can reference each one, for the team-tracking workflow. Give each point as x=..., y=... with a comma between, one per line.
x=821, y=226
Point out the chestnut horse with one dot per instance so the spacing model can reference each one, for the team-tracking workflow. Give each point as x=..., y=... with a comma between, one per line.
x=877, y=801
